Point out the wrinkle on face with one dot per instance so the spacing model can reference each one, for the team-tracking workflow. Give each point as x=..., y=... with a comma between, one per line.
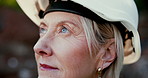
x=69, y=50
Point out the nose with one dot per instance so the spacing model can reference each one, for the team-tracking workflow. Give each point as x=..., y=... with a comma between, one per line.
x=42, y=48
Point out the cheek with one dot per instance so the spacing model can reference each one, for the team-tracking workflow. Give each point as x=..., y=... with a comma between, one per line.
x=71, y=48
x=73, y=54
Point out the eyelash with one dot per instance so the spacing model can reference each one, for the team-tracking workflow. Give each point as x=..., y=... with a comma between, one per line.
x=62, y=30
x=42, y=30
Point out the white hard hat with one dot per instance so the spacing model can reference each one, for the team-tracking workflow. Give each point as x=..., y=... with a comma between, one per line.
x=123, y=11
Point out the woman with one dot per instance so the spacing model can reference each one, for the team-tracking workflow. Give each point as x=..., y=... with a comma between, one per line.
x=84, y=38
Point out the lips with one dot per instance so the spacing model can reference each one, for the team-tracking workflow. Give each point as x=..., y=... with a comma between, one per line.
x=46, y=67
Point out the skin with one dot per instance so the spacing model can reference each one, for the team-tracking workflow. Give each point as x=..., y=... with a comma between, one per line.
x=63, y=45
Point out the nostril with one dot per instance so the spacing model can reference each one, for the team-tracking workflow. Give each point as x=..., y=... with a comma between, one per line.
x=42, y=53
x=42, y=49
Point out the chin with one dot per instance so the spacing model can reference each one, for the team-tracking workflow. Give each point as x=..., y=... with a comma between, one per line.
x=48, y=74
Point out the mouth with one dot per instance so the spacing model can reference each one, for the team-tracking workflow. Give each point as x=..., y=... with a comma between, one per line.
x=45, y=67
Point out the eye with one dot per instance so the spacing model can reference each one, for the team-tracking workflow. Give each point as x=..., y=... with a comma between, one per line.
x=43, y=30
x=64, y=30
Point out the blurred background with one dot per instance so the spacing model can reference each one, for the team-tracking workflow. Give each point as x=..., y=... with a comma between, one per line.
x=18, y=34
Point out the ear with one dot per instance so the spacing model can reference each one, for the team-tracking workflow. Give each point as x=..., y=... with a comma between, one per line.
x=107, y=54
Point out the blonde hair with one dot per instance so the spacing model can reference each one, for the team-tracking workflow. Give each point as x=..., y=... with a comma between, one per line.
x=96, y=35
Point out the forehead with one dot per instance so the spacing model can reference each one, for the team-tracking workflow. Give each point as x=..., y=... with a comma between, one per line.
x=53, y=17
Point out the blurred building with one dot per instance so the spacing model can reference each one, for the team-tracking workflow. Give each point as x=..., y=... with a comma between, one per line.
x=17, y=37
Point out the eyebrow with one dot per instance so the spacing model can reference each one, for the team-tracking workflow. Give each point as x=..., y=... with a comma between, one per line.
x=68, y=22
x=44, y=22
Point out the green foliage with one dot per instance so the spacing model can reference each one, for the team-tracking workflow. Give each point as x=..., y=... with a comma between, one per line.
x=9, y=3
x=139, y=4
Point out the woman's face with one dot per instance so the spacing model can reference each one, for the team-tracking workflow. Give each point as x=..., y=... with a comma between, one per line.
x=62, y=50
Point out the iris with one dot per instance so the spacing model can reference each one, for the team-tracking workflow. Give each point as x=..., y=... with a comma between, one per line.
x=64, y=30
